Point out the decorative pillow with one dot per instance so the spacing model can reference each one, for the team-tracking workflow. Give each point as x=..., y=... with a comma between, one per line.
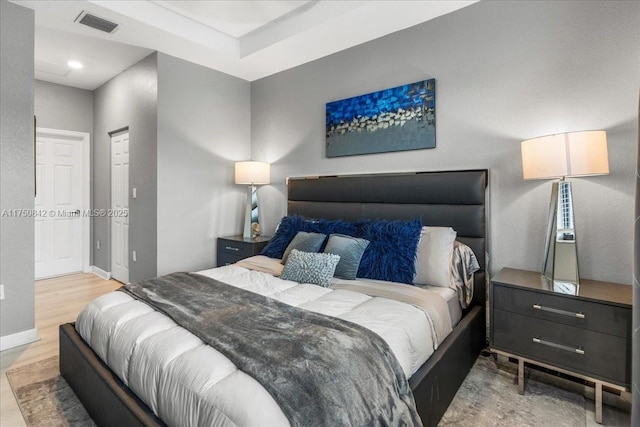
x=434, y=256
x=392, y=244
x=350, y=250
x=391, y=253
x=290, y=225
x=308, y=267
x=304, y=242
x=286, y=231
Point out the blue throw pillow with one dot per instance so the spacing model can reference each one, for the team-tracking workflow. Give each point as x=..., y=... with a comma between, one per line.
x=287, y=229
x=308, y=267
x=391, y=254
x=305, y=242
x=290, y=225
x=350, y=250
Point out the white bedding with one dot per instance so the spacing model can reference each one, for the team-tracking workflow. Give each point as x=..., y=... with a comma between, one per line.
x=186, y=382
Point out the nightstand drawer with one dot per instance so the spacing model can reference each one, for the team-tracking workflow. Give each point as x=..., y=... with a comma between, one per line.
x=232, y=249
x=235, y=248
x=226, y=259
x=591, y=353
x=608, y=319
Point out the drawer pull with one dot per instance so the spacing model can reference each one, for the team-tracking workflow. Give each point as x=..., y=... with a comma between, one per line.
x=232, y=248
x=560, y=346
x=557, y=311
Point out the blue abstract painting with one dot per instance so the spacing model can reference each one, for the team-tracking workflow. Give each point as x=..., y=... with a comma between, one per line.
x=396, y=119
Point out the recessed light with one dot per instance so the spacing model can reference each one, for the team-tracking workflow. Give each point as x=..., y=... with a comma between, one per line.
x=75, y=65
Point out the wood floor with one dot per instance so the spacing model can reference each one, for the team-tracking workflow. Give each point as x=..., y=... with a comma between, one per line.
x=58, y=300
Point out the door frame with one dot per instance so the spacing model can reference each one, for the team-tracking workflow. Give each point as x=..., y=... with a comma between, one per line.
x=85, y=139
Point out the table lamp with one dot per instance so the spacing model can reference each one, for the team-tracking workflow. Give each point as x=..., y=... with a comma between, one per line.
x=558, y=157
x=252, y=173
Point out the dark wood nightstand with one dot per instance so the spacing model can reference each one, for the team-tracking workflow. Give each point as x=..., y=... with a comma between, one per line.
x=582, y=331
x=232, y=249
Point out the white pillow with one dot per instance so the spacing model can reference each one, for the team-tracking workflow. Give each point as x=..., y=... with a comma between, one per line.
x=433, y=256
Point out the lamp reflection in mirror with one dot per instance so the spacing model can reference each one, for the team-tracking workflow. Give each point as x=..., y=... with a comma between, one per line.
x=252, y=173
x=558, y=157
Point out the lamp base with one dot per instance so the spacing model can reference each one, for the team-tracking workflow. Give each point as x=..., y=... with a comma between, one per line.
x=251, y=223
x=560, y=262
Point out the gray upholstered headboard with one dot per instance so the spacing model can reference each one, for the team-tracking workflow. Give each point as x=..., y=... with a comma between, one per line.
x=452, y=198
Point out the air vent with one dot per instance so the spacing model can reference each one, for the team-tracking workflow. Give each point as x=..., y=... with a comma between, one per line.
x=93, y=21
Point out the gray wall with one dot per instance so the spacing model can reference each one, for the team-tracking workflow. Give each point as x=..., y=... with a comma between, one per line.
x=635, y=381
x=203, y=127
x=16, y=164
x=63, y=107
x=128, y=100
x=505, y=72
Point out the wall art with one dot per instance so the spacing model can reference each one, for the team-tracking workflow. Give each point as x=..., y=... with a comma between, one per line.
x=397, y=119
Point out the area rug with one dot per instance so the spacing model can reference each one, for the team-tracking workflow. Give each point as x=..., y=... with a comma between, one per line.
x=489, y=397
x=45, y=398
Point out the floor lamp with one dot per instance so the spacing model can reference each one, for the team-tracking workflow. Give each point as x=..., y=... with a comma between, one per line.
x=252, y=174
x=558, y=157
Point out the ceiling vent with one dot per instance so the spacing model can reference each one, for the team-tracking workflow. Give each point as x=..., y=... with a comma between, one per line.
x=93, y=21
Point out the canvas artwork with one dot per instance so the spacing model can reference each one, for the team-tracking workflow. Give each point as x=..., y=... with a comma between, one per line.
x=396, y=119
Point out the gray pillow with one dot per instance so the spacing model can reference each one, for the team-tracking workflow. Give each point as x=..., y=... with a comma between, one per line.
x=434, y=255
x=350, y=250
x=305, y=242
x=308, y=267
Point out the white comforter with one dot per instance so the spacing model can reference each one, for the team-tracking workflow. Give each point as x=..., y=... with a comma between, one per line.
x=188, y=383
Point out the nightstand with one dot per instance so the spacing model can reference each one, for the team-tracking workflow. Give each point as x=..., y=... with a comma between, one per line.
x=582, y=331
x=232, y=249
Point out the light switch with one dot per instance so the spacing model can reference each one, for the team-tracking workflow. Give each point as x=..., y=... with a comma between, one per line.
x=135, y=193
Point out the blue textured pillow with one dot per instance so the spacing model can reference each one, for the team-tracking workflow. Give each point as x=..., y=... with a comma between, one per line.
x=305, y=242
x=350, y=250
x=287, y=229
x=391, y=254
x=309, y=267
x=290, y=225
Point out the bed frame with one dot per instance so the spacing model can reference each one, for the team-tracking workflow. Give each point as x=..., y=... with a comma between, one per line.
x=453, y=198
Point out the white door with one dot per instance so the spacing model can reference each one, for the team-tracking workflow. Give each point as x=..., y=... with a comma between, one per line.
x=120, y=207
x=59, y=198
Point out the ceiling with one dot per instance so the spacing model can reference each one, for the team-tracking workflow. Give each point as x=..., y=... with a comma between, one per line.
x=247, y=39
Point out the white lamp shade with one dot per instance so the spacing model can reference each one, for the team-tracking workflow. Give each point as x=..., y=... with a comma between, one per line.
x=567, y=154
x=249, y=172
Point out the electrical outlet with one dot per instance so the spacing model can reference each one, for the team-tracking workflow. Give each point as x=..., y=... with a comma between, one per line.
x=134, y=256
x=1, y=292
x=98, y=244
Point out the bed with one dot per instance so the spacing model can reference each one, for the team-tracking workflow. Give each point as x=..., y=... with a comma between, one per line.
x=456, y=198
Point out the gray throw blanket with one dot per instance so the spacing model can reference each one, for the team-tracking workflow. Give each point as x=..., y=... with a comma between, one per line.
x=321, y=370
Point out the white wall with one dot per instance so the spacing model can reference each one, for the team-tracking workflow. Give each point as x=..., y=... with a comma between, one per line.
x=505, y=72
x=203, y=128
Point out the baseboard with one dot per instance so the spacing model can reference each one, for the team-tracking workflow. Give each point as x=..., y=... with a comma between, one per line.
x=18, y=339
x=106, y=275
